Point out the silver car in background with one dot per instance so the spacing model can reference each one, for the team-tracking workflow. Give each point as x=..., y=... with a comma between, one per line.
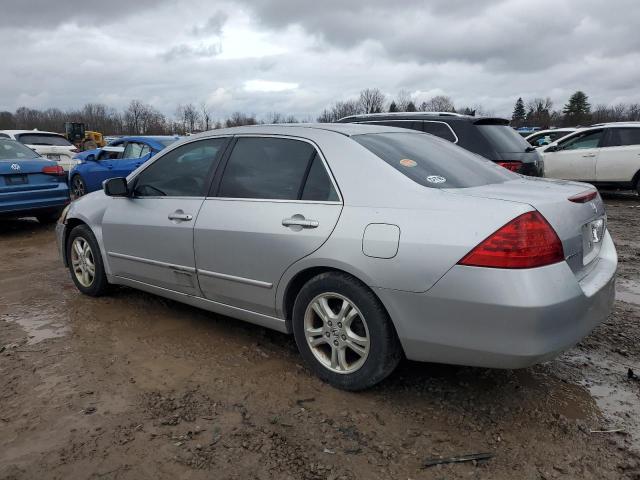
x=368, y=243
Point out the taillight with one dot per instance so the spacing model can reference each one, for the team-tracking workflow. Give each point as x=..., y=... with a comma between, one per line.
x=584, y=197
x=513, y=166
x=527, y=241
x=53, y=170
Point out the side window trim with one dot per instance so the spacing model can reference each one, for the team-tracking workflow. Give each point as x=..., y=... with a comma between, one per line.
x=218, y=161
x=217, y=179
x=418, y=120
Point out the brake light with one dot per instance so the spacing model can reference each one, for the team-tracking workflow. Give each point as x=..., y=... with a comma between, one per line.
x=53, y=170
x=527, y=241
x=584, y=197
x=512, y=166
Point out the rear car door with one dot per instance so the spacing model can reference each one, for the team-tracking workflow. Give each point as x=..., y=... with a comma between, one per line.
x=134, y=155
x=619, y=158
x=274, y=203
x=149, y=236
x=575, y=157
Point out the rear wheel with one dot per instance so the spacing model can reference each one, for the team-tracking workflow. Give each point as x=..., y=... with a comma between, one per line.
x=85, y=262
x=78, y=187
x=344, y=333
x=49, y=217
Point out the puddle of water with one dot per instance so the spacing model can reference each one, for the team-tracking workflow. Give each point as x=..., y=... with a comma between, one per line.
x=39, y=326
x=628, y=291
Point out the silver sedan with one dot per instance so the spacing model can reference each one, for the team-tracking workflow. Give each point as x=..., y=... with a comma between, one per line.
x=368, y=243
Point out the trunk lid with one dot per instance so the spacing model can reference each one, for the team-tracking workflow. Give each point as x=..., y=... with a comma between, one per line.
x=17, y=175
x=580, y=226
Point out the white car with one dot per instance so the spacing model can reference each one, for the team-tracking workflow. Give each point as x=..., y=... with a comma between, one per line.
x=51, y=145
x=545, y=137
x=607, y=155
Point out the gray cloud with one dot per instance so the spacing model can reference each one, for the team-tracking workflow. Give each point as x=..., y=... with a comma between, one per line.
x=213, y=25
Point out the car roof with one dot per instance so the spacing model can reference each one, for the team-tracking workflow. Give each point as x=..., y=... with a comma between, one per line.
x=146, y=138
x=19, y=132
x=346, y=129
x=421, y=115
x=617, y=124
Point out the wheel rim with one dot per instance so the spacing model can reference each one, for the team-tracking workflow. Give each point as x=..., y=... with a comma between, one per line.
x=78, y=187
x=337, y=333
x=82, y=261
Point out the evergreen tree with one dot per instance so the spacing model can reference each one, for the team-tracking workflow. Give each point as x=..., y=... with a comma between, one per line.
x=411, y=107
x=577, y=111
x=393, y=107
x=519, y=113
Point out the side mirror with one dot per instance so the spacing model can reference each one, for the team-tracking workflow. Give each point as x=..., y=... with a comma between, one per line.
x=91, y=157
x=116, y=187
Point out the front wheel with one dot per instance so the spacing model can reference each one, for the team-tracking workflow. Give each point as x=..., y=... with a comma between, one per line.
x=343, y=332
x=85, y=262
x=78, y=187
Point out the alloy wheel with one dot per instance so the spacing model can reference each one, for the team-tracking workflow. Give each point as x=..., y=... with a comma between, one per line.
x=337, y=333
x=77, y=187
x=82, y=261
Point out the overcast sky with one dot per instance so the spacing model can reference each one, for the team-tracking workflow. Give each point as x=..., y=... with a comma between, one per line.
x=298, y=56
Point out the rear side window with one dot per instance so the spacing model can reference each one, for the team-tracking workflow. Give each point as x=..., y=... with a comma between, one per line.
x=621, y=137
x=439, y=129
x=503, y=138
x=433, y=162
x=275, y=169
x=43, y=139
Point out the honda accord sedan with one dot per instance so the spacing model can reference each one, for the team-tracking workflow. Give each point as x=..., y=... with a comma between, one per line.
x=368, y=243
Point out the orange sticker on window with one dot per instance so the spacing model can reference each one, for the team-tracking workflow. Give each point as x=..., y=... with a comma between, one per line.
x=405, y=162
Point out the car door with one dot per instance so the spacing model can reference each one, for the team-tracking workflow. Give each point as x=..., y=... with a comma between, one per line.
x=619, y=158
x=98, y=170
x=574, y=157
x=134, y=155
x=274, y=203
x=148, y=236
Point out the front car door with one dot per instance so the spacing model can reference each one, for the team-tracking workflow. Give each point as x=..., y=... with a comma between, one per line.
x=274, y=203
x=149, y=236
x=97, y=171
x=575, y=156
x=619, y=158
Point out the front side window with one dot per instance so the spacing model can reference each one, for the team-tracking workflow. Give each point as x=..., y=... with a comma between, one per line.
x=43, y=139
x=433, y=162
x=439, y=129
x=111, y=152
x=267, y=168
x=182, y=172
x=622, y=137
x=582, y=140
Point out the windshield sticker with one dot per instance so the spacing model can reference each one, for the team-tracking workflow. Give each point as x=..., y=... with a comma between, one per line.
x=405, y=162
x=436, y=179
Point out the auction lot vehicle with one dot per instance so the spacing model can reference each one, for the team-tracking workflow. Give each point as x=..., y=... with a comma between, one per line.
x=118, y=159
x=545, y=137
x=48, y=144
x=29, y=184
x=367, y=242
x=492, y=138
x=606, y=155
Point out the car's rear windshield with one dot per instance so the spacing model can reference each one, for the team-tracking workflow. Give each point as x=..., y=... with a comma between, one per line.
x=503, y=138
x=433, y=162
x=12, y=150
x=43, y=139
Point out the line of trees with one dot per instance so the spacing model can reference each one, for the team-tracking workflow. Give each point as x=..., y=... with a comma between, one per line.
x=140, y=118
x=540, y=112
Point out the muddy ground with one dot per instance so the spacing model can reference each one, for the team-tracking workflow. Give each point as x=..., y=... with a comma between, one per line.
x=134, y=386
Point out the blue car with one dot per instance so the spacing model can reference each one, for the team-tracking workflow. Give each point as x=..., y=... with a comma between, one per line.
x=30, y=185
x=118, y=159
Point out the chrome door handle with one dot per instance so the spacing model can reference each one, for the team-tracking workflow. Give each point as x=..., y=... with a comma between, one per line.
x=589, y=155
x=183, y=217
x=300, y=222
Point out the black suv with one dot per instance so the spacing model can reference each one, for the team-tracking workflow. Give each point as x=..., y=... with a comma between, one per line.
x=492, y=138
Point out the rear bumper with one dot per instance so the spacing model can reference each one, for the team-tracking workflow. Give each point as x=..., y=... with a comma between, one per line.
x=503, y=318
x=31, y=201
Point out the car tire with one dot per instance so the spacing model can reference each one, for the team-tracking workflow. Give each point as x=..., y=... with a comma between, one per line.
x=638, y=186
x=85, y=262
x=78, y=187
x=335, y=312
x=49, y=217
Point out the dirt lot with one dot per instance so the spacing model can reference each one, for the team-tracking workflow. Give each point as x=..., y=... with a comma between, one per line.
x=133, y=386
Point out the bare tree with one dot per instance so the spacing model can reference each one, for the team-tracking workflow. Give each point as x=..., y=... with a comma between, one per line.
x=238, y=119
x=372, y=100
x=340, y=110
x=205, y=115
x=539, y=112
x=402, y=101
x=439, y=103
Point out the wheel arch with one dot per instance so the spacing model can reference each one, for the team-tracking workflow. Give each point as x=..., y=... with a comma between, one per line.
x=635, y=182
x=70, y=224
